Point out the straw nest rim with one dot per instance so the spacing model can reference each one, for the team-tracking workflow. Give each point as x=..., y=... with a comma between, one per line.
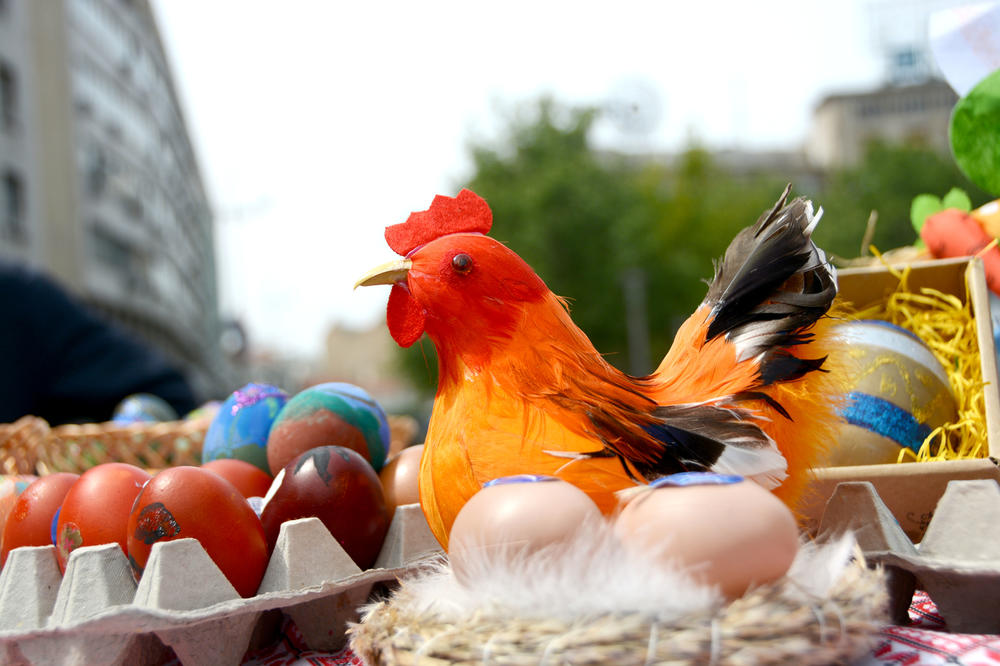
x=773, y=624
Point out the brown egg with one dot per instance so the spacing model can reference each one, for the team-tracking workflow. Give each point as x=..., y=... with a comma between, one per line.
x=724, y=531
x=338, y=486
x=506, y=520
x=400, y=478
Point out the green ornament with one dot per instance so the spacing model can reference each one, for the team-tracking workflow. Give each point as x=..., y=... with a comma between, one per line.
x=925, y=205
x=957, y=198
x=975, y=134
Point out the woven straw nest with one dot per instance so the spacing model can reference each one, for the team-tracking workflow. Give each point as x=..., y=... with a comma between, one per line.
x=773, y=624
x=31, y=446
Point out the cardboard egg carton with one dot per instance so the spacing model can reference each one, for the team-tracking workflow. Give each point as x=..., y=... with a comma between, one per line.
x=957, y=562
x=183, y=605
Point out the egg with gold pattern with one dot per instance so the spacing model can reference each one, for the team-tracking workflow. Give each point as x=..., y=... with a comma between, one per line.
x=899, y=393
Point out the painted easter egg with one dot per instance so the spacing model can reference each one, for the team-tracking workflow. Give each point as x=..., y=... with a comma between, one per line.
x=333, y=414
x=96, y=507
x=249, y=479
x=11, y=487
x=900, y=393
x=205, y=412
x=338, y=486
x=143, y=408
x=182, y=502
x=988, y=215
x=30, y=522
x=242, y=424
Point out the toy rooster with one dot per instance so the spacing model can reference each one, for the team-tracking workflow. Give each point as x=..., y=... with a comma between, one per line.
x=521, y=388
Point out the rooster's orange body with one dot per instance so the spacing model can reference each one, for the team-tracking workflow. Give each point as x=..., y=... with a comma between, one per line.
x=521, y=390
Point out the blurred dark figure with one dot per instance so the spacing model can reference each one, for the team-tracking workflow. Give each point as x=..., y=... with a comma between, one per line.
x=60, y=362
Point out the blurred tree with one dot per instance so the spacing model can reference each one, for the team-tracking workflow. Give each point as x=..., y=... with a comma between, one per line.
x=583, y=219
x=573, y=214
x=699, y=209
x=886, y=181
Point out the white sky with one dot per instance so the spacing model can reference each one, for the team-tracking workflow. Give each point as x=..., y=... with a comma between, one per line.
x=318, y=123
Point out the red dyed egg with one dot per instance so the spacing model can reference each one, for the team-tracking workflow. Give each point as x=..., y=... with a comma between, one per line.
x=30, y=520
x=249, y=479
x=338, y=486
x=11, y=487
x=182, y=502
x=96, y=508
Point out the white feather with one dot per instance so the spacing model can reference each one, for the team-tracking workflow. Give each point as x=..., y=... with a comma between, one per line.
x=818, y=566
x=766, y=466
x=595, y=574
x=813, y=219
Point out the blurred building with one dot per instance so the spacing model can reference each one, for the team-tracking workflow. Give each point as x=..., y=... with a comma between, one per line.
x=912, y=106
x=914, y=114
x=99, y=183
x=367, y=358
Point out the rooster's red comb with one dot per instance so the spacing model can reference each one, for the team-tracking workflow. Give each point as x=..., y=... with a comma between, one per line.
x=467, y=212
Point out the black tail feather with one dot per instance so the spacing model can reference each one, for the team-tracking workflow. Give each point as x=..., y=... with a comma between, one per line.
x=770, y=287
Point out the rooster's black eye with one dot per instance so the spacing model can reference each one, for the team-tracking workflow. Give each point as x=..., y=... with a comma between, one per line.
x=462, y=263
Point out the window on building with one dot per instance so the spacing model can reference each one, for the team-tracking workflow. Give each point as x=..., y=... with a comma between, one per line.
x=96, y=171
x=111, y=251
x=123, y=260
x=131, y=205
x=8, y=97
x=906, y=58
x=12, y=224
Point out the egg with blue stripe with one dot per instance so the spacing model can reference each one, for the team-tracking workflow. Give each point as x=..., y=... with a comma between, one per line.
x=898, y=395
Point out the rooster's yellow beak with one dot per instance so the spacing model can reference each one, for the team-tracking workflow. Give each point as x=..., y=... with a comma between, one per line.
x=388, y=273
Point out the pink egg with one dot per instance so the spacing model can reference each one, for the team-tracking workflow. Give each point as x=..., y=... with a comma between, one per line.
x=513, y=517
x=724, y=531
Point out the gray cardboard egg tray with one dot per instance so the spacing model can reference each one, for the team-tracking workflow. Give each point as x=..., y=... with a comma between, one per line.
x=957, y=562
x=96, y=613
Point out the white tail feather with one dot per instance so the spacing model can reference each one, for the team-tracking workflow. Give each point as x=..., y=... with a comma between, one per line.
x=766, y=466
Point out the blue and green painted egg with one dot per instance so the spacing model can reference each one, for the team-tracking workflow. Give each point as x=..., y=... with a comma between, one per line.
x=331, y=414
x=242, y=424
x=143, y=408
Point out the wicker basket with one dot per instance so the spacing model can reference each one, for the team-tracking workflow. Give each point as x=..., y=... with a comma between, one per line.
x=31, y=446
x=20, y=443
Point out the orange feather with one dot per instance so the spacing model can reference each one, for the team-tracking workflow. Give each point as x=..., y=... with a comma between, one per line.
x=523, y=391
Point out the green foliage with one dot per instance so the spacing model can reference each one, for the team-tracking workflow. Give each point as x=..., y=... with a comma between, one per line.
x=574, y=215
x=957, y=198
x=582, y=218
x=886, y=181
x=925, y=205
